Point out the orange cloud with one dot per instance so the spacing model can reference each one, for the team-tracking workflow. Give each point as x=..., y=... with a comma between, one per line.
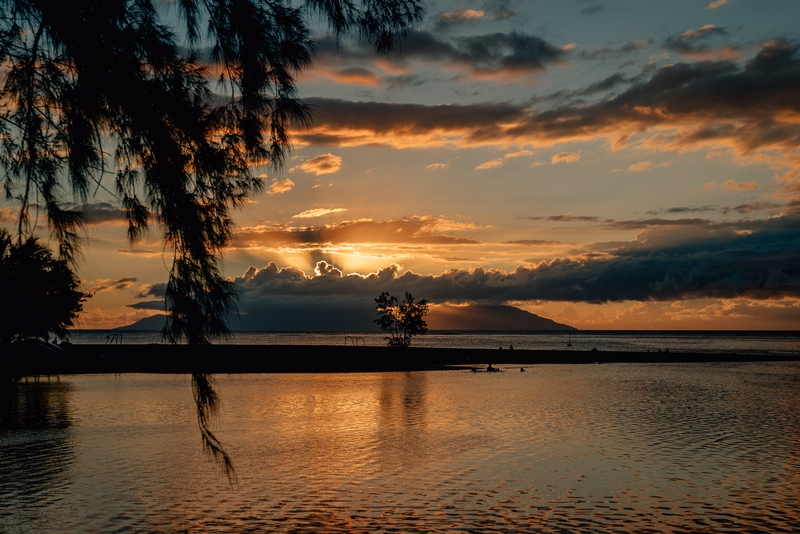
x=498, y=162
x=730, y=184
x=717, y=3
x=462, y=15
x=641, y=166
x=350, y=75
x=438, y=166
x=322, y=164
x=281, y=186
x=8, y=215
x=565, y=157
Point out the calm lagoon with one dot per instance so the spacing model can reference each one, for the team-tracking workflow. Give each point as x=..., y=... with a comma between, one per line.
x=558, y=448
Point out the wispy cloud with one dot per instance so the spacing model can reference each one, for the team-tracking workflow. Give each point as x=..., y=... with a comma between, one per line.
x=717, y=3
x=318, y=212
x=696, y=44
x=730, y=184
x=499, y=162
x=417, y=229
x=567, y=218
x=8, y=215
x=641, y=166
x=565, y=157
x=491, y=164
x=607, y=52
x=109, y=285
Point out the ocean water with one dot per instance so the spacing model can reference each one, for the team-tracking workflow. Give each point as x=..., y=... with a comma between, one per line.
x=779, y=343
x=559, y=448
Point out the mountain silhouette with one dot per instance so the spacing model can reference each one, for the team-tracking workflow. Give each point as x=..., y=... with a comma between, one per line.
x=488, y=318
x=351, y=319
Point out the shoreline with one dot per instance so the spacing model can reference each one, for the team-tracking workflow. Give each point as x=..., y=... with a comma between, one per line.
x=222, y=359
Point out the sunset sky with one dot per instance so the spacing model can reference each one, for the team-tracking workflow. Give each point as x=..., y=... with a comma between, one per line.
x=609, y=164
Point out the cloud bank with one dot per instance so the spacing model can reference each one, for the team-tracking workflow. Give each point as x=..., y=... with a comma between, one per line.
x=669, y=260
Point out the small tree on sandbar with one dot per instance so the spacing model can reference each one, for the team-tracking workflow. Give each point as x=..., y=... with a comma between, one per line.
x=401, y=320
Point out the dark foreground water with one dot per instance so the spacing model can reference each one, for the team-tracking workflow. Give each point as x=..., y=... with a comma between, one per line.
x=558, y=448
x=748, y=342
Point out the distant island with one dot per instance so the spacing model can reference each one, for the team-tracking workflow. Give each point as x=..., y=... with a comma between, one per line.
x=484, y=318
x=489, y=318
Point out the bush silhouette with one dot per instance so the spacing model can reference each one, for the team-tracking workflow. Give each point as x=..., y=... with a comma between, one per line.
x=39, y=293
x=401, y=320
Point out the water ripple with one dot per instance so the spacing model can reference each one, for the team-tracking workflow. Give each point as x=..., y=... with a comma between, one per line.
x=613, y=448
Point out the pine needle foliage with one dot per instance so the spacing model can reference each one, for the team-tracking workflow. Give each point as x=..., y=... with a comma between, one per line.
x=170, y=106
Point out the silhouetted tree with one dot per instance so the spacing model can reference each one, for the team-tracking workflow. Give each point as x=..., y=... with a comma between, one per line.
x=181, y=118
x=401, y=320
x=39, y=294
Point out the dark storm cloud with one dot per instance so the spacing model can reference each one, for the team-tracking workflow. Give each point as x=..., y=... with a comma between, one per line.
x=148, y=305
x=639, y=224
x=494, y=53
x=151, y=290
x=387, y=119
x=709, y=91
x=752, y=206
x=102, y=213
x=604, y=85
x=508, y=51
x=669, y=260
x=740, y=208
x=684, y=209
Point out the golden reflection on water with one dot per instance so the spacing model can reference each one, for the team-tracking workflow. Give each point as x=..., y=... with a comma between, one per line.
x=612, y=448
